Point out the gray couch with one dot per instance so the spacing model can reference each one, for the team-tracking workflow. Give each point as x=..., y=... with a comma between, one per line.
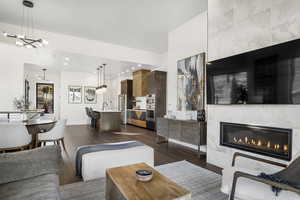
x=30, y=174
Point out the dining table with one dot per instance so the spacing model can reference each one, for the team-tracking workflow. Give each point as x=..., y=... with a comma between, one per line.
x=38, y=126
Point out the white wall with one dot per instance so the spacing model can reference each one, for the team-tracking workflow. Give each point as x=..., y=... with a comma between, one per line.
x=51, y=77
x=11, y=74
x=75, y=113
x=13, y=58
x=113, y=90
x=240, y=26
x=187, y=40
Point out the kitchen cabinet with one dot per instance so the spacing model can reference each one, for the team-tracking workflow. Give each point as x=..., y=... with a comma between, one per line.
x=137, y=117
x=157, y=85
x=140, y=83
x=187, y=131
x=126, y=87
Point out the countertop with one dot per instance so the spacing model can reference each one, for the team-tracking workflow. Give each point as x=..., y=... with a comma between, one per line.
x=108, y=111
x=138, y=110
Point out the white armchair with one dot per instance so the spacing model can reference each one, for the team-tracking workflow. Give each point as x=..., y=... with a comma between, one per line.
x=55, y=135
x=243, y=183
x=14, y=136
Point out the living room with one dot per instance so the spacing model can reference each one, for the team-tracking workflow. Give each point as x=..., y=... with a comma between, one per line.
x=110, y=99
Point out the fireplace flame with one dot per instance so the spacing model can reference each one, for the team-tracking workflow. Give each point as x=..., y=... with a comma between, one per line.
x=261, y=144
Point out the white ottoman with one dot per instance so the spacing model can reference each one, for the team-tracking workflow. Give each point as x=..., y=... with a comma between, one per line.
x=95, y=164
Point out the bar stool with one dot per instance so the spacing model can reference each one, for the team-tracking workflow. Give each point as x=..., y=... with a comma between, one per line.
x=95, y=117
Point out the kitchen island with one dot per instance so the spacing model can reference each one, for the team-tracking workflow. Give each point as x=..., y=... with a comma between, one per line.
x=110, y=120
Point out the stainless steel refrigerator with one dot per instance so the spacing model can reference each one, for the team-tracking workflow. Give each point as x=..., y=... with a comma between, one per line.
x=122, y=107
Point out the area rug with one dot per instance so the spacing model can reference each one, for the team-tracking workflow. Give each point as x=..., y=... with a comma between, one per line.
x=203, y=184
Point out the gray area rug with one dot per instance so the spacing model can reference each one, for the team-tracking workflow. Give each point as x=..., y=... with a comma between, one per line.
x=204, y=184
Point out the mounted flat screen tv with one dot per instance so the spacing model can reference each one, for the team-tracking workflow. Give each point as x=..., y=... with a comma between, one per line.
x=266, y=76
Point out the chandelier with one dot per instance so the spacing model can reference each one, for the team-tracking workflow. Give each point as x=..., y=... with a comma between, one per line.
x=101, y=72
x=26, y=38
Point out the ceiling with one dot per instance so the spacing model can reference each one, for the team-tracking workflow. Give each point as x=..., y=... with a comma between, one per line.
x=57, y=61
x=142, y=24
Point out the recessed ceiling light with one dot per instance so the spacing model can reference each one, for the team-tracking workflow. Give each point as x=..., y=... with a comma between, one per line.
x=122, y=72
x=65, y=63
x=127, y=70
x=133, y=68
x=139, y=65
x=67, y=58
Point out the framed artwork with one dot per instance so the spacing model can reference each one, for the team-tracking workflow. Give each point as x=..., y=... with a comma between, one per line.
x=75, y=94
x=45, y=97
x=190, y=83
x=90, y=96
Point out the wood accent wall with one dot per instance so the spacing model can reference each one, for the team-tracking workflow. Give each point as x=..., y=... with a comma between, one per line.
x=126, y=87
x=157, y=85
x=140, y=83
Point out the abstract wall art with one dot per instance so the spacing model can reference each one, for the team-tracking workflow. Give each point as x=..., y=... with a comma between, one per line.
x=190, y=83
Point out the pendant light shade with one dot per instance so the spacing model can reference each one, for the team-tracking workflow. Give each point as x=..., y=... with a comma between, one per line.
x=99, y=88
x=101, y=72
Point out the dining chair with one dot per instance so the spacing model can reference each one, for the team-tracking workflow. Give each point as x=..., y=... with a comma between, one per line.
x=14, y=136
x=55, y=135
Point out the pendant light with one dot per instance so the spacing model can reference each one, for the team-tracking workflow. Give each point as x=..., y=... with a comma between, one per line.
x=101, y=74
x=26, y=37
x=99, y=88
x=44, y=73
x=104, y=86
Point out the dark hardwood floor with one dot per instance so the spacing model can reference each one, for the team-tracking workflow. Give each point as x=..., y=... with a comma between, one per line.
x=83, y=135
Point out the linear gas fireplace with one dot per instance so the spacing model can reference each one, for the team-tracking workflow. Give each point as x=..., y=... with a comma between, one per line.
x=269, y=141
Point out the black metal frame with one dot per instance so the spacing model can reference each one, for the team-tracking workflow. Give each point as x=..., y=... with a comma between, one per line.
x=288, y=131
x=239, y=174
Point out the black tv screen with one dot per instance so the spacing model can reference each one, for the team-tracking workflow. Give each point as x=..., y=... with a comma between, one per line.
x=266, y=76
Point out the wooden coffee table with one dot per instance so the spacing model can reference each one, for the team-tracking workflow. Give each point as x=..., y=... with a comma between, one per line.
x=121, y=184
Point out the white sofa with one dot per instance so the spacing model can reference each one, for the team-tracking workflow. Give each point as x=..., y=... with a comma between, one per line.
x=95, y=164
x=247, y=189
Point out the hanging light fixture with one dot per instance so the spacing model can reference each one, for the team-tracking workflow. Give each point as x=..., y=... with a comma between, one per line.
x=99, y=88
x=43, y=76
x=104, y=86
x=26, y=37
x=101, y=74
x=44, y=73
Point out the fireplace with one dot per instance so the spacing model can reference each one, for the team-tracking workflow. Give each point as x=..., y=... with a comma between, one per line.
x=269, y=141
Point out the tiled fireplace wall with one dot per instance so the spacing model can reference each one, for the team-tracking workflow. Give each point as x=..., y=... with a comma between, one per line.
x=236, y=26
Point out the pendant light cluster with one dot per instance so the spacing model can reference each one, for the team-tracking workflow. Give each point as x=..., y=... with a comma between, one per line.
x=102, y=87
x=26, y=36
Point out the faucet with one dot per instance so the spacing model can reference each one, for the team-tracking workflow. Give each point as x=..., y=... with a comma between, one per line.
x=104, y=105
